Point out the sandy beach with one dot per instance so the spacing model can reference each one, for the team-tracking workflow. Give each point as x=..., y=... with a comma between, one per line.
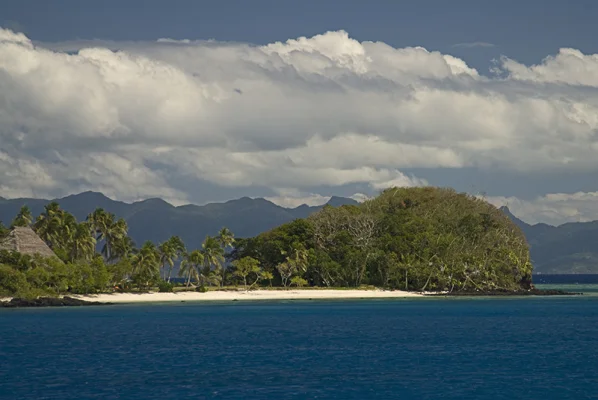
x=250, y=295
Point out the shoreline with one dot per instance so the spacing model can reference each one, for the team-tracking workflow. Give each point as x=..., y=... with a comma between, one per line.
x=252, y=295
x=265, y=295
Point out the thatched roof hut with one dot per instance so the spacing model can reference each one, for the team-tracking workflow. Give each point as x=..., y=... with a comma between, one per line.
x=25, y=241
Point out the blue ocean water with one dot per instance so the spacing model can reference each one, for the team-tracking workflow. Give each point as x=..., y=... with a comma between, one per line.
x=497, y=348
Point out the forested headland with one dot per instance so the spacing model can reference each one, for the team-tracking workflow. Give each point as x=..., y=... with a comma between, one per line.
x=418, y=239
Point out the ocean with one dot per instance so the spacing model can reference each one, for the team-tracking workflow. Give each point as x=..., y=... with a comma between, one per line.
x=455, y=348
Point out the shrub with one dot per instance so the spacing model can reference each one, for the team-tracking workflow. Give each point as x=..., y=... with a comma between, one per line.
x=201, y=289
x=298, y=281
x=38, y=277
x=12, y=282
x=165, y=287
x=18, y=261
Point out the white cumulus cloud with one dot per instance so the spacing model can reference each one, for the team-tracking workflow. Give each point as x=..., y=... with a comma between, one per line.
x=133, y=119
x=553, y=208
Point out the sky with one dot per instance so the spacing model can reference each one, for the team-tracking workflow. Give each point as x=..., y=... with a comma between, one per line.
x=204, y=101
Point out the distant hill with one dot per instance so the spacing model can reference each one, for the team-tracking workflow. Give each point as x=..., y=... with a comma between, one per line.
x=157, y=220
x=568, y=248
x=571, y=248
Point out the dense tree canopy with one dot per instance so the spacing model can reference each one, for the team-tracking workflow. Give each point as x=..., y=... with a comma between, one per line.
x=424, y=239
x=409, y=238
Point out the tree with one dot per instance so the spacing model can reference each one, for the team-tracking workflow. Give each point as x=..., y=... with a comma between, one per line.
x=286, y=270
x=122, y=248
x=267, y=275
x=170, y=251
x=48, y=224
x=108, y=230
x=225, y=238
x=167, y=256
x=298, y=281
x=246, y=267
x=409, y=238
x=213, y=257
x=146, y=265
x=191, y=265
x=12, y=282
x=3, y=230
x=81, y=243
x=24, y=217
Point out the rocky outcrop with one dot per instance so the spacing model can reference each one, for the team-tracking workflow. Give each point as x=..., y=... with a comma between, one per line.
x=49, y=302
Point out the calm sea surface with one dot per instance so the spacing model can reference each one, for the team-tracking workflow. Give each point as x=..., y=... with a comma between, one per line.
x=515, y=348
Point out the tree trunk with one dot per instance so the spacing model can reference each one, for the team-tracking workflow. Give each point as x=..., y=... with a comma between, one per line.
x=428, y=281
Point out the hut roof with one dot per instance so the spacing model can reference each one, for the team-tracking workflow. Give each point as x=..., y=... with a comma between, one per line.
x=24, y=240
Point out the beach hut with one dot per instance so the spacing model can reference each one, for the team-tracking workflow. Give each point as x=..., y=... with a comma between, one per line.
x=25, y=241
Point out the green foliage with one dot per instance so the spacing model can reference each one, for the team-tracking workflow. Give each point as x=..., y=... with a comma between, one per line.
x=191, y=266
x=169, y=252
x=110, y=231
x=298, y=281
x=425, y=239
x=146, y=266
x=201, y=289
x=18, y=261
x=38, y=277
x=119, y=273
x=407, y=238
x=248, y=267
x=4, y=231
x=165, y=287
x=24, y=217
x=12, y=281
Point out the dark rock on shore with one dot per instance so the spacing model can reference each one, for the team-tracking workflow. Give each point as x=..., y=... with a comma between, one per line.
x=49, y=302
x=531, y=292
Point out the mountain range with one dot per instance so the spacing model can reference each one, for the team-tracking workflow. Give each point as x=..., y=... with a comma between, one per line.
x=571, y=248
x=568, y=248
x=156, y=220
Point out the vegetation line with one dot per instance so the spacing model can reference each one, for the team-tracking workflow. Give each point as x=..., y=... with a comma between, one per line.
x=407, y=238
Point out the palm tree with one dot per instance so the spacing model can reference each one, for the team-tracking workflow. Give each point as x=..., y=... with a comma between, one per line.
x=48, y=223
x=66, y=229
x=226, y=239
x=170, y=251
x=82, y=242
x=121, y=248
x=100, y=221
x=167, y=256
x=146, y=264
x=107, y=230
x=117, y=232
x=191, y=265
x=24, y=217
x=213, y=255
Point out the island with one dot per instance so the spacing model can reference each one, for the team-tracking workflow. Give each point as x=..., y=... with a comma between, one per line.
x=405, y=242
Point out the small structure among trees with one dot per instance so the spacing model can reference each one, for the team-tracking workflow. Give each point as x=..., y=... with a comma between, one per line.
x=24, y=240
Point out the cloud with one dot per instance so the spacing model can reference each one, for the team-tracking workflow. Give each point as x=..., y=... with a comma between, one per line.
x=569, y=66
x=471, y=45
x=553, y=208
x=134, y=119
x=292, y=198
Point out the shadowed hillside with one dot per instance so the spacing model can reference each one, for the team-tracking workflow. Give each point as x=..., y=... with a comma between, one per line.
x=571, y=248
x=157, y=220
x=568, y=248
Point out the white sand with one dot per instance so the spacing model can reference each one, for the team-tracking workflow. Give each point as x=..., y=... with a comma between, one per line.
x=251, y=295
